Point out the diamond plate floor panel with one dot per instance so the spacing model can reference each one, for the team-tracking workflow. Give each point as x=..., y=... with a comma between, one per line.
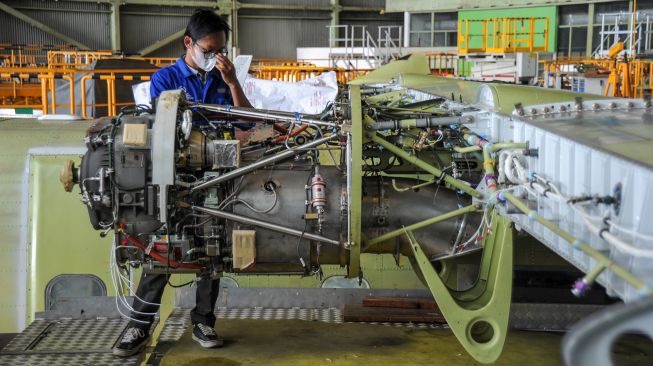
x=67, y=342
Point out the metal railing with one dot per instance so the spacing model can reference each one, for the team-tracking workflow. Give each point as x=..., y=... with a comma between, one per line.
x=65, y=59
x=503, y=35
x=357, y=44
x=296, y=73
x=633, y=29
x=45, y=79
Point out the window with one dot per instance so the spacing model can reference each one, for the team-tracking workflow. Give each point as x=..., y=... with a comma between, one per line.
x=611, y=13
x=344, y=282
x=73, y=285
x=433, y=29
x=572, y=30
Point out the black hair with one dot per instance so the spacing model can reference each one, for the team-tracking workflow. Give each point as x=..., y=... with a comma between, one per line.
x=204, y=22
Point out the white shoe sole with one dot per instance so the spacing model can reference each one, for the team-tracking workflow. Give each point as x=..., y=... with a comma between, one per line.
x=208, y=344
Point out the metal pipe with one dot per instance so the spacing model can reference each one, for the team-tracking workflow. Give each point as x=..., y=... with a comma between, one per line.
x=264, y=114
x=348, y=155
x=264, y=224
x=425, y=166
x=422, y=224
x=493, y=147
x=261, y=163
x=598, y=256
x=413, y=123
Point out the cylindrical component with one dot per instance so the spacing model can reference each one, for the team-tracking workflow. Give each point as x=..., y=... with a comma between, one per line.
x=265, y=114
x=348, y=155
x=318, y=190
x=259, y=164
x=414, y=123
x=265, y=225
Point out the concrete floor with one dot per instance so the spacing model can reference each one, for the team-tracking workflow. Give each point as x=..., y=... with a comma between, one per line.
x=297, y=342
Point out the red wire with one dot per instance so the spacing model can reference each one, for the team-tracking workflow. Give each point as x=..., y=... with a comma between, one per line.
x=292, y=134
x=159, y=257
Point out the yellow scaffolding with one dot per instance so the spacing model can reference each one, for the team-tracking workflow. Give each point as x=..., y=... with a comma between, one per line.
x=626, y=78
x=503, y=35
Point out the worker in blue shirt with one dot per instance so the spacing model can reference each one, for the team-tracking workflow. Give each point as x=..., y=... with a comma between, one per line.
x=207, y=76
x=204, y=72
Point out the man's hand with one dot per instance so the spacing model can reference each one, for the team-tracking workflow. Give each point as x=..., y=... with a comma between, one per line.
x=227, y=70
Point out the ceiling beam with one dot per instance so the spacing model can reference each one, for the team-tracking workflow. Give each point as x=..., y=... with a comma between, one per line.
x=45, y=28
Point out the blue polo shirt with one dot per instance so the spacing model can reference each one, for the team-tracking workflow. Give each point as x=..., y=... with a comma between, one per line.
x=180, y=76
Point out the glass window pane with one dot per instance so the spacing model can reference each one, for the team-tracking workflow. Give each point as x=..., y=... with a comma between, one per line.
x=73, y=286
x=563, y=41
x=439, y=39
x=445, y=21
x=579, y=40
x=420, y=22
x=573, y=15
x=420, y=39
x=607, y=8
x=596, y=38
x=452, y=39
x=644, y=5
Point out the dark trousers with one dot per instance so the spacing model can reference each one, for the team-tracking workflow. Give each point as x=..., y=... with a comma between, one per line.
x=150, y=289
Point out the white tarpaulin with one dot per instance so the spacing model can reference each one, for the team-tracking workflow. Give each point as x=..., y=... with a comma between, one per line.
x=308, y=96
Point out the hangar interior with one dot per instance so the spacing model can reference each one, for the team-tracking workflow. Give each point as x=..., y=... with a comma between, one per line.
x=357, y=182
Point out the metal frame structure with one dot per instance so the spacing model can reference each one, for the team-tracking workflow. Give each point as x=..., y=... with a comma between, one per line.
x=478, y=316
x=503, y=35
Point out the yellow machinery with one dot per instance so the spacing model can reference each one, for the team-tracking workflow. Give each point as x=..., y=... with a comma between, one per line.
x=503, y=35
x=627, y=78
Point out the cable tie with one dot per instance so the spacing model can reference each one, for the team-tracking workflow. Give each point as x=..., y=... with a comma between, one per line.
x=531, y=215
x=228, y=108
x=298, y=117
x=531, y=175
x=576, y=244
x=602, y=231
x=646, y=290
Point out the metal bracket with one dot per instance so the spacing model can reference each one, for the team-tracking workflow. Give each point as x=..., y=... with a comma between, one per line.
x=477, y=316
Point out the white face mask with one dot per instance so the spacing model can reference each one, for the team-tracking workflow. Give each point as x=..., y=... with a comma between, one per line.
x=203, y=63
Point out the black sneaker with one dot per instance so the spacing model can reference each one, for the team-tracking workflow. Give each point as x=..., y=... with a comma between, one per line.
x=133, y=341
x=205, y=336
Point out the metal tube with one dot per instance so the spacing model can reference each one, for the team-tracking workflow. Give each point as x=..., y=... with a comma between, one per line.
x=264, y=114
x=598, y=256
x=413, y=123
x=348, y=155
x=264, y=224
x=425, y=166
x=261, y=163
x=423, y=224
